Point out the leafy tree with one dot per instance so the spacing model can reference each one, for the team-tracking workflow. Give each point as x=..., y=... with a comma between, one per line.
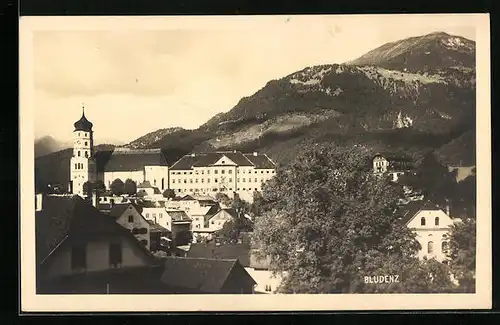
x=330, y=223
x=433, y=179
x=169, y=193
x=230, y=232
x=117, y=187
x=256, y=206
x=99, y=185
x=130, y=187
x=464, y=202
x=462, y=253
x=223, y=199
x=240, y=206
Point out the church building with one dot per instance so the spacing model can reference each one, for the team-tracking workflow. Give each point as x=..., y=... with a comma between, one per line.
x=149, y=165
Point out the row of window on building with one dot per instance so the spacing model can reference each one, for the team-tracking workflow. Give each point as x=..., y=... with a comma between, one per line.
x=423, y=221
x=430, y=247
x=222, y=171
x=216, y=180
x=179, y=190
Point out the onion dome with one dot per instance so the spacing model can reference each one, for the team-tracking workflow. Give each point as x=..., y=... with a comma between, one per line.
x=83, y=124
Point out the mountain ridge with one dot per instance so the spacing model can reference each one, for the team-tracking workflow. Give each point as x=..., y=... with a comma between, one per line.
x=396, y=105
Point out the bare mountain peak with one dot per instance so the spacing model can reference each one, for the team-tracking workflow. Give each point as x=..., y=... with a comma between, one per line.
x=434, y=51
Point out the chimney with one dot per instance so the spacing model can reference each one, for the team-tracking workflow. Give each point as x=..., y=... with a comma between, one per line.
x=447, y=209
x=254, y=153
x=38, y=201
x=95, y=199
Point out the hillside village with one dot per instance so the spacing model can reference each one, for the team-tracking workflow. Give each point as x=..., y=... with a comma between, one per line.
x=179, y=211
x=167, y=219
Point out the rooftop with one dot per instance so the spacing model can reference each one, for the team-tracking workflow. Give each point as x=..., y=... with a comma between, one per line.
x=188, y=162
x=200, y=274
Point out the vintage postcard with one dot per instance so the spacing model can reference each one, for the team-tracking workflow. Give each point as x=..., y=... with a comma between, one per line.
x=255, y=163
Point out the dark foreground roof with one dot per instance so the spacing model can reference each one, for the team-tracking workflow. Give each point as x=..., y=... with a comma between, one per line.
x=209, y=158
x=409, y=210
x=240, y=252
x=71, y=217
x=198, y=274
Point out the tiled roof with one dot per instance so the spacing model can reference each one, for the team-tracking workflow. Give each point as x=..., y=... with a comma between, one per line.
x=409, y=210
x=63, y=217
x=145, y=184
x=130, y=160
x=240, y=252
x=154, y=227
x=232, y=212
x=178, y=215
x=261, y=161
x=118, y=209
x=204, y=275
x=209, y=158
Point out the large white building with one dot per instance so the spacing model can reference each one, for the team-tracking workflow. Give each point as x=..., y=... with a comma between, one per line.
x=227, y=172
x=432, y=226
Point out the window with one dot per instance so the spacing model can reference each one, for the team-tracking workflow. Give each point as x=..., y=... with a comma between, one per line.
x=238, y=180
x=255, y=180
x=115, y=254
x=436, y=221
x=161, y=215
x=216, y=171
x=255, y=172
x=244, y=179
x=85, y=142
x=190, y=181
x=154, y=182
x=162, y=183
x=86, y=154
x=208, y=180
x=230, y=171
x=223, y=171
x=196, y=180
x=215, y=180
x=230, y=180
x=78, y=257
x=202, y=180
x=76, y=166
x=262, y=172
x=130, y=218
x=185, y=181
x=267, y=172
x=430, y=247
x=223, y=163
x=208, y=172
x=444, y=246
x=173, y=181
x=78, y=153
x=422, y=221
x=144, y=242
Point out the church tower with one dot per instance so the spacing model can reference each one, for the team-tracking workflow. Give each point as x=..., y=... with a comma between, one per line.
x=82, y=165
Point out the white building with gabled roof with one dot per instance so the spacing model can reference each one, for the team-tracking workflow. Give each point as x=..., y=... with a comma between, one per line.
x=227, y=172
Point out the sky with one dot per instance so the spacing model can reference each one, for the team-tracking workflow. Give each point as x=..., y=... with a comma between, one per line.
x=134, y=80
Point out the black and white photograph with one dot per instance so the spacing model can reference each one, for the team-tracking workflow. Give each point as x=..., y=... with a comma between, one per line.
x=339, y=157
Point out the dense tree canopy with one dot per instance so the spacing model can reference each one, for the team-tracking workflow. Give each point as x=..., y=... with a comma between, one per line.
x=329, y=223
x=169, y=193
x=130, y=187
x=462, y=253
x=117, y=187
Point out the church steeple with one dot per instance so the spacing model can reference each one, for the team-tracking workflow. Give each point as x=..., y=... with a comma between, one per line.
x=83, y=124
x=82, y=168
